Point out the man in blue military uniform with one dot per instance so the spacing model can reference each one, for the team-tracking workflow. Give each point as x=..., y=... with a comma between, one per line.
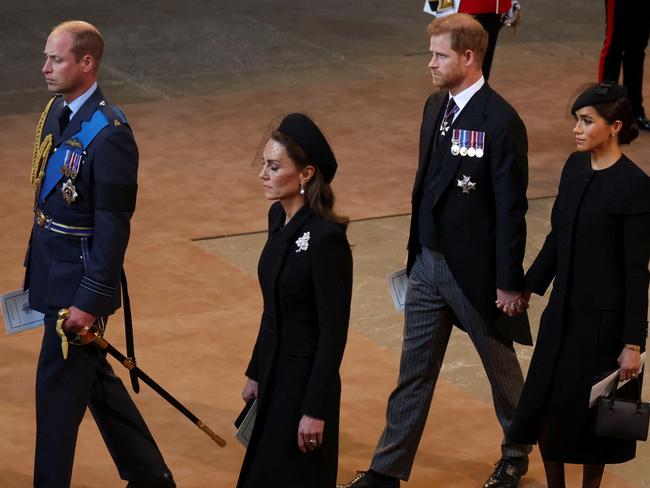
x=85, y=178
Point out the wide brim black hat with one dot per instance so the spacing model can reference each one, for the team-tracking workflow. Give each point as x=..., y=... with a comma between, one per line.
x=304, y=132
x=597, y=94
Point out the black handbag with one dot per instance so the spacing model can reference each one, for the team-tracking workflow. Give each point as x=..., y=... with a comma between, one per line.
x=624, y=419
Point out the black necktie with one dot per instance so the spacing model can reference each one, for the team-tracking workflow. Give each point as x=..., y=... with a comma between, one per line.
x=450, y=111
x=64, y=118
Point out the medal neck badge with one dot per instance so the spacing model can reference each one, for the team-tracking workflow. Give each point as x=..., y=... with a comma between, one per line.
x=447, y=119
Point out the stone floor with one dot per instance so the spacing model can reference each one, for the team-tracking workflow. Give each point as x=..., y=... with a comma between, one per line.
x=200, y=82
x=378, y=251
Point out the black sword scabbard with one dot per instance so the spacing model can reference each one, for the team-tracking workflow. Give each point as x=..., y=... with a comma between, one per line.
x=133, y=369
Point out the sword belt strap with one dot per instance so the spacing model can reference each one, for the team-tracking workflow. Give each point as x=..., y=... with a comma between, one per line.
x=128, y=331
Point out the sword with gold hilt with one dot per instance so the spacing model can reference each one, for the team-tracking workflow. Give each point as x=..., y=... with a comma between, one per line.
x=129, y=364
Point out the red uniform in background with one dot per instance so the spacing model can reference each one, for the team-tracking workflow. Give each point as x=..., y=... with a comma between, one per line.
x=626, y=37
x=484, y=6
x=488, y=13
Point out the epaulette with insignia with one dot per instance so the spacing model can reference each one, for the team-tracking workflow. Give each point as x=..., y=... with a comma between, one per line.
x=114, y=114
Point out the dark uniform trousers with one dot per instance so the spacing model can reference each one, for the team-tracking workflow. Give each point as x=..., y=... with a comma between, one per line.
x=63, y=390
x=626, y=38
x=492, y=25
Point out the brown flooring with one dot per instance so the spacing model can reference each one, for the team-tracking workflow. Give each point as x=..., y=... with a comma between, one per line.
x=196, y=311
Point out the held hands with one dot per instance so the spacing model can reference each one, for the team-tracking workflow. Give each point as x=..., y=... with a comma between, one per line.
x=250, y=390
x=310, y=433
x=512, y=302
x=630, y=362
x=80, y=323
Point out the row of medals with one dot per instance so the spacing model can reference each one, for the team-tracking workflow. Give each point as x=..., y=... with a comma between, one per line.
x=456, y=149
x=467, y=143
x=70, y=170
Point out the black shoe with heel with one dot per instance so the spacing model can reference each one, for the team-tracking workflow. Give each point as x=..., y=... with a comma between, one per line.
x=370, y=479
x=508, y=472
x=165, y=481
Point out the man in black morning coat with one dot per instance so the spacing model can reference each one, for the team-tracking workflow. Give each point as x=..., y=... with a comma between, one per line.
x=466, y=247
x=74, y=261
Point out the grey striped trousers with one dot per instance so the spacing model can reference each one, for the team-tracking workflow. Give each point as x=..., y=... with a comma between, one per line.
x=432, y=299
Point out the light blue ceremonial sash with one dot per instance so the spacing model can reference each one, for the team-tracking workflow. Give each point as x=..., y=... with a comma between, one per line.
x=53, y=174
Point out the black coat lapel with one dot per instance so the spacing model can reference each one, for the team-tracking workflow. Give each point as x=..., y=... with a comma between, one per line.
x=281, y=242
x=427, y=131
x=470, y=118
x=578, y=181
x=83, y=114
x=571, y=200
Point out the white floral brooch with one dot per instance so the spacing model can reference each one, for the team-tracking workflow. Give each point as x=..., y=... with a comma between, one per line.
x=303, y=242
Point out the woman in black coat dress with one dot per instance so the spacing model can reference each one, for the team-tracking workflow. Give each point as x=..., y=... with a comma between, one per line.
x=596, y=318
x=305, y=272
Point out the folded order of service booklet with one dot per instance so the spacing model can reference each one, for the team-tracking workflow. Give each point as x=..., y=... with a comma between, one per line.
x=245, y=422
x=16, y=313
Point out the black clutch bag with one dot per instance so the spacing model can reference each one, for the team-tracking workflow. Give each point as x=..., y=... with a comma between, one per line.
x=624, y=419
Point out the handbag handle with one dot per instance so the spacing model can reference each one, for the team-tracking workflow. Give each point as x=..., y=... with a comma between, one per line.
x=612, y=394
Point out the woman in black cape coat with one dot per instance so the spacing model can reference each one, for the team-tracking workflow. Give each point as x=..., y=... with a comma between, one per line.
x=596, y=317
x=305, y=272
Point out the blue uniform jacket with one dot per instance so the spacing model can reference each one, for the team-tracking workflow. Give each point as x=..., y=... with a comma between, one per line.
x=58, y=271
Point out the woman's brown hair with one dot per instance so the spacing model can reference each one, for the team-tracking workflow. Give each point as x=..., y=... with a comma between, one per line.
x=319, y=196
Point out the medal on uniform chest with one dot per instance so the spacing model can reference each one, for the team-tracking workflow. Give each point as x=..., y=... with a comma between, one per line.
x=480, y=144
x=69, y=192
x=464, y=136
x=471, y=151
x=466, y=184
x=455, y=142
x=71, y=164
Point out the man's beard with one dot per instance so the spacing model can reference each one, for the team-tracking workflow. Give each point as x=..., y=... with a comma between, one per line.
x=449, y=80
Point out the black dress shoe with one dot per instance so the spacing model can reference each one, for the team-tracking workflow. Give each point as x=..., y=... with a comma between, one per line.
x=642, y=122
x=507, y=473
x=366, y=479
x=165, y=481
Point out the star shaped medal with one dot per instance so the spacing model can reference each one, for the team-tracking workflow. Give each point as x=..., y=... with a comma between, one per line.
x=69, y=192
x=466, y=184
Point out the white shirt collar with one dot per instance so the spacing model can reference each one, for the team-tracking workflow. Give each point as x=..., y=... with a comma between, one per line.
x=76, y=104
x=464, y=97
